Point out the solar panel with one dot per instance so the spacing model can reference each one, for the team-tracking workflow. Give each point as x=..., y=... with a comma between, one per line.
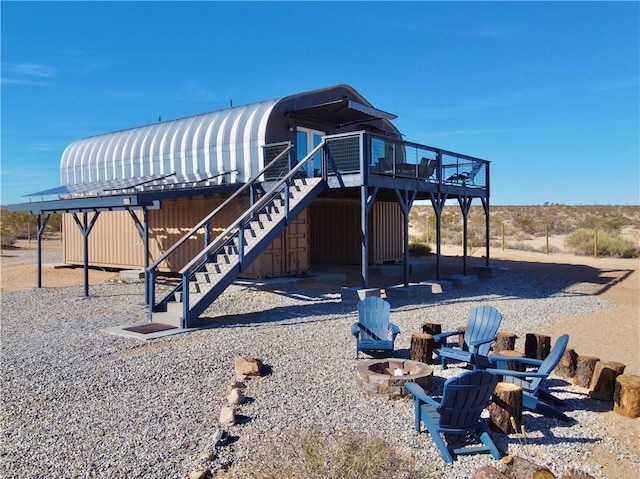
x=100, y=187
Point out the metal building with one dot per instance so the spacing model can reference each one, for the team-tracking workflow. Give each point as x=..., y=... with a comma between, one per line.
x=257, y=190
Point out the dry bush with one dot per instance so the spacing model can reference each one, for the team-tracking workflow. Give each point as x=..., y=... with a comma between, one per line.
x=524, y=223
x=419, y=249
x=310, y=455
x=582, y=242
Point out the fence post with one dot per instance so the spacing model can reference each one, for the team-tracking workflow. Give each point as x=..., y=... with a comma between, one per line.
x=595, y=244
x=427, y=229
x=547, y=234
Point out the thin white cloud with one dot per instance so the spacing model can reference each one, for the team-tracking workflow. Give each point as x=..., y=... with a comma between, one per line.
x=473, y=105
x=31, y=74
x=17, y=81
x=30, y=69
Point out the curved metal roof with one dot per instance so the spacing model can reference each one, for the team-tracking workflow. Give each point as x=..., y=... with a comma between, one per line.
x=224, y=145
x=210, y=143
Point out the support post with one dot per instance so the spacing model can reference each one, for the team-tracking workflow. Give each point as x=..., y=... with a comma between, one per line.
x=40, y=226
x=465, y=204
x=487, y=230
x=438, y=201
x=406, y=201
x=143, y=230
x=366, y=203
x=85, y=227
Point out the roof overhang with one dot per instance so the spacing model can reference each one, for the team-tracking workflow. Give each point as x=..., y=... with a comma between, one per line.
x=79, y=205
x=343, y=112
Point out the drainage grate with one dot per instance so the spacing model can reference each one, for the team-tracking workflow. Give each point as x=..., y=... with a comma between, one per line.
x=149, y=328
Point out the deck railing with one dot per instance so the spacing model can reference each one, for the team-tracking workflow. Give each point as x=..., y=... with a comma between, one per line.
x=346, y=153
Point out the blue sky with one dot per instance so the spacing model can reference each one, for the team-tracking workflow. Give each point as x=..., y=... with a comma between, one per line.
x=548, y=92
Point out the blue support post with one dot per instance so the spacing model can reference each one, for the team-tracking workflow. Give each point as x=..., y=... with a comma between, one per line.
x=40, y=226
x=185, y=301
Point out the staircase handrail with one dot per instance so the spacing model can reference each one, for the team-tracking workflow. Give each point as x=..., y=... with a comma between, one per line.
x=206, y=219
x=223, y=237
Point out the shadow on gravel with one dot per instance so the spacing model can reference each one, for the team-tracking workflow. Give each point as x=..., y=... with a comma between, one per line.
x=511, y=279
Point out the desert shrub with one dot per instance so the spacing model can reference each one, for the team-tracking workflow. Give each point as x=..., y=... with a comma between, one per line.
x=419, y=249
x=582, y=242
x=309, y=455
x=7, y=241
x=22, y=225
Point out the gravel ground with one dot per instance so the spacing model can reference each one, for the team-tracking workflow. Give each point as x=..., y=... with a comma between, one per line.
x=77, y=402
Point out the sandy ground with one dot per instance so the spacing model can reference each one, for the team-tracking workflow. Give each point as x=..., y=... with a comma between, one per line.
x=612, y=334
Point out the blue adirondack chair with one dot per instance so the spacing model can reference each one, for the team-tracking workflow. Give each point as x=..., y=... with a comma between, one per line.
x=534, y=397
x=458, y=412
x=373, y=327
x=482, y=325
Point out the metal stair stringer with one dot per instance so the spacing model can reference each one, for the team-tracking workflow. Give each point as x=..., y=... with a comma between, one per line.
x=224, y=268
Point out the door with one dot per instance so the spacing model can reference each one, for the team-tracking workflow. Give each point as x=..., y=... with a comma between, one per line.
x=306, y=140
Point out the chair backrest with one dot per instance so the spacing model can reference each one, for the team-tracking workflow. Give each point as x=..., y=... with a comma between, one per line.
x=373, y=316
x=426, y=168
x=475, y=169
x=463, y=399
x=483, y=323
x=550, y=362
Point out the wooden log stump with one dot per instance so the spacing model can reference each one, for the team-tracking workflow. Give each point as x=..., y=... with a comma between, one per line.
x=488, y=472
x=519, y=468
x=432, y=328
x=513, y=365
x=566, y=368
x=626, y=397
x=421, y=348
x=461, y=343
x=584, y=370
x=603, y=382
x=504, y=342
x=506, y=403
x=537, y=346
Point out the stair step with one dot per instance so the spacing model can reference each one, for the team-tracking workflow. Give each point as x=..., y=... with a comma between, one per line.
x=167, y=318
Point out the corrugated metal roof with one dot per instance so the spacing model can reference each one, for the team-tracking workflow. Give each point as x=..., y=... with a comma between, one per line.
x=223, y=146
x=214, y=142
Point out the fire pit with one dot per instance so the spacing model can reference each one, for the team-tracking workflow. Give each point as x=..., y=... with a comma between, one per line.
x=386, y=377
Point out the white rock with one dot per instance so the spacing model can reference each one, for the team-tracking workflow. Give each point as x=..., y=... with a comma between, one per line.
x=235, y=397
x=228, y=416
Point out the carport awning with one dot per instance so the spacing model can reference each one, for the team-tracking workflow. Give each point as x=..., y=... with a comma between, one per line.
x=344, y=112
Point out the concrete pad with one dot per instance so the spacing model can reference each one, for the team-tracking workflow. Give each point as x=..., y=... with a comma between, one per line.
x=412, y=291
x=461, y=280
x=438, y=287
x=354, y=295
x=487, y=271
x=122, y=332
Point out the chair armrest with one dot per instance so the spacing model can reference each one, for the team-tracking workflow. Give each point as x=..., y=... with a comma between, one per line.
x=355, y=329
x=439, y=337
x=482, y=341
x=515, y=374
x=419, y=394
x=395, y=330
x=526, y=361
